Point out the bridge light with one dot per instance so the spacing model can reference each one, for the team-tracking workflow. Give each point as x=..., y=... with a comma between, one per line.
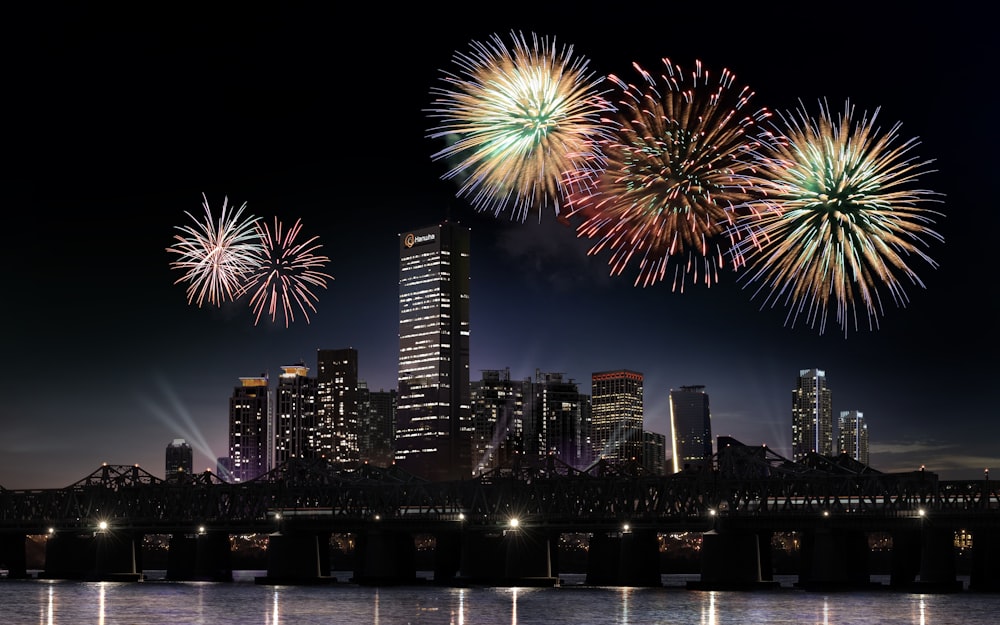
x=711, y=512
x=201, y=529
x=626, y=528
x=921, y=512
x=378, y=517
x=461, y=516
x=102, y=526
x=52, y=531
x=514, y=523
x=826, y=513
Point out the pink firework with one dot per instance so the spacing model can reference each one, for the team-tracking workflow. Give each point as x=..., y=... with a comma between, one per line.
x=216, y=256
x=284, y=273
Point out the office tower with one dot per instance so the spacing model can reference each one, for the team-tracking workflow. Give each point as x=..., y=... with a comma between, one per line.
x=433, y=411
x=616, y=399
x=338, y=421
x=378, y=424
x=812, y=415
x=498, y=405
x=250, y=429
x=654, y=453
x=180, y=458
x=557, y=425
x=691, y=429
x=295, y=433
x=852, y=435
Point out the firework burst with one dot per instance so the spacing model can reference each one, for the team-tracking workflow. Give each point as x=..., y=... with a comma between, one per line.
x=520, y=124
x=284, y=273
x=679, y=164
x=215, y=256
x=840, y=219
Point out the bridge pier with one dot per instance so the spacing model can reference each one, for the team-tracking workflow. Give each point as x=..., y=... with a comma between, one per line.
x=985, y=573
x=294, y=558
x=383, y=557
x=513, y=557
x=735, y=560
x=13, y=556
x=447, y=556
x=100, y=556
x=200, y=557
x=528, y=558
x=624, y=559
x=831, y=559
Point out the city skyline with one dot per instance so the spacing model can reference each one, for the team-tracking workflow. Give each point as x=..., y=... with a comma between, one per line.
x=114, y=133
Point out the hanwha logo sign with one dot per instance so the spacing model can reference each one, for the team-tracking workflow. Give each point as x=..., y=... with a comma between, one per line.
x=411, y=239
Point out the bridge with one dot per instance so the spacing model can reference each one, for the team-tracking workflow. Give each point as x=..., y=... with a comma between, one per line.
x=502, y=527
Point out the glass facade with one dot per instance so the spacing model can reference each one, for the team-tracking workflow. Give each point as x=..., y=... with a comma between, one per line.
x=433, y=412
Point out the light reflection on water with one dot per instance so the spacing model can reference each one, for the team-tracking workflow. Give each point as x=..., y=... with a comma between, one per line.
x=243, y=602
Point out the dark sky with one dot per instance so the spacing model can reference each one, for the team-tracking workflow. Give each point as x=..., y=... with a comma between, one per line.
x=115, y=123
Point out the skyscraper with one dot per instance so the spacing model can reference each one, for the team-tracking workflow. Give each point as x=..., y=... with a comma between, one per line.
x=295, y=415
x=557, y=421
x=498, y=407
x=691, y=429
x=434, y=413
x=812, y=415
x=338, y=420
x=250, y=430
x=377, y=410
x=852, y=435
x=179, y=458
x=616, y=405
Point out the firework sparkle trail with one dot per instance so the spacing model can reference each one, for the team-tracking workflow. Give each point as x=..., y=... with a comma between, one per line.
x=839, y=220
x=284, y=273
x=216, y=255
x=521, y=126
x=679, y=166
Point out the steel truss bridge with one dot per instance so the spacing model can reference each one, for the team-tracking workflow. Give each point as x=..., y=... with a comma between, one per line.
x=750, y=487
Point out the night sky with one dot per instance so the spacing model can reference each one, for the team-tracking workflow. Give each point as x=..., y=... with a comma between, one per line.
x=116, y=123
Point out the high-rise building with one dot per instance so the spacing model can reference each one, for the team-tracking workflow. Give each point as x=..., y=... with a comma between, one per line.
x=180, y=458
x=852, y=435
x=616, y=404
x=498, y=406
x=295, y=433
x=378, y=424
x=250, y=430
x=338, y=419
x=557, y=422
x=691, y=429
x=812, y=415
x=433, y=411
x=654, y=452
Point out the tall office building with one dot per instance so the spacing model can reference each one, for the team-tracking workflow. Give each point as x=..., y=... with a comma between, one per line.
x=295, y=433
x=251, y=442
x=852, y=435
x=433, y=411
x=691, y=429
x=377, y=411
x=179, y=458
x=616, y=404
x=557, y=421
x=498, y=406
x=654, y=452
x=337, y=418
x=812, y=415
